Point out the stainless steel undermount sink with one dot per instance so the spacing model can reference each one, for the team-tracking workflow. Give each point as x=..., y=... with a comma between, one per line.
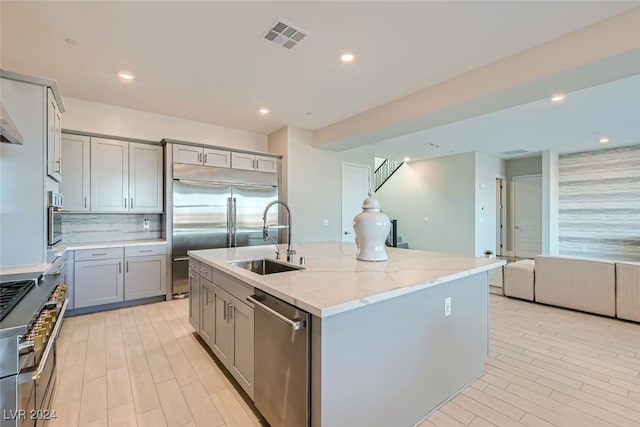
x=264, y=266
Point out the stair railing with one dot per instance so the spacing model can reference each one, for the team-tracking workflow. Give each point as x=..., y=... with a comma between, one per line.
x=385, y=170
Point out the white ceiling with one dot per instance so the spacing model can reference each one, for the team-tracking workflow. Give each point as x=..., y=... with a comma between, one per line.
x=207, y=60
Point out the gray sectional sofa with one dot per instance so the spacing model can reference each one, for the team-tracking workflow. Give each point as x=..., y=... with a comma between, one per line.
x=591, y=285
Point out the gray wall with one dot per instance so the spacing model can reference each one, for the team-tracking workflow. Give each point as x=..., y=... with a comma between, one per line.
x=443, y=191
x=600, y=204
x=313, y=182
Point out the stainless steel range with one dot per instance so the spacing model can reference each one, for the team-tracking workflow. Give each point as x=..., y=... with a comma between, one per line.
x=31, y=315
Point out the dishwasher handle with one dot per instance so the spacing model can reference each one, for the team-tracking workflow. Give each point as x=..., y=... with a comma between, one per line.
x=295, y=324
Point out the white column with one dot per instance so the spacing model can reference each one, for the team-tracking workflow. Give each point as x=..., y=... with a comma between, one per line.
x=550, y=203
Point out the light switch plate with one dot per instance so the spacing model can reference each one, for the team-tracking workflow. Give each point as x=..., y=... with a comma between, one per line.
x=447, y=306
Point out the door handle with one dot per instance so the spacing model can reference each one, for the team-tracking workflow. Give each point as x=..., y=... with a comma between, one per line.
x=224, y=314
x=296, y=324
x=347, y=232
x=205, y=158
x=230, y=311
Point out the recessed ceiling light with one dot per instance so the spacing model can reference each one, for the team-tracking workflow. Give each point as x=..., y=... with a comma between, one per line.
x=407, y=159
x=604, y=140
x=347, y=57
x=264, y=111
x=125, y=76
x=558, y=97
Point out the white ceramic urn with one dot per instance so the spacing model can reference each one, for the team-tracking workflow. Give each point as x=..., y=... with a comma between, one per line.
x=372, y=228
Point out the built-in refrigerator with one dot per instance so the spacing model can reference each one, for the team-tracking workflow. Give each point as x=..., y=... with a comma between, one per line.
x=217, y=208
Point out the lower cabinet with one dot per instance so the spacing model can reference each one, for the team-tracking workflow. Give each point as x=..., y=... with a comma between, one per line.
x=98, y=281
x=110, y=275
x=225, y=322
x=194, y=298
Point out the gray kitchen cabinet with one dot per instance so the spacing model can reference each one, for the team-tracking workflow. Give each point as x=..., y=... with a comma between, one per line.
x=145, y=271
x=126, y=176
x=109, y=275
x=146, y=177
x=54, y=135
x=109, y=175
x=98, y=277
x=76, y=172
x=254, y=162
x=241, y=365
x=207, y=311
x=194, y=155
x=222, y=328
x=194, y=299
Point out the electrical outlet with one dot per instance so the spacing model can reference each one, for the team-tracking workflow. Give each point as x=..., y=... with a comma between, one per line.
x=447, y=306
x=145, y=224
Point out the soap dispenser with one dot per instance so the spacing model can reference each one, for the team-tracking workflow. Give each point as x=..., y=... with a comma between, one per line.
x=372, y=228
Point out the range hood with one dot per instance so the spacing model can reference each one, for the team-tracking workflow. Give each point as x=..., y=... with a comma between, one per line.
x=8, y=130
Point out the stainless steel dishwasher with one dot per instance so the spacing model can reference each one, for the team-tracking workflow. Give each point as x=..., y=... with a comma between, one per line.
x=281, y=361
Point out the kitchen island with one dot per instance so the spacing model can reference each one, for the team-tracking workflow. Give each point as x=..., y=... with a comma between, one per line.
x=390, y=341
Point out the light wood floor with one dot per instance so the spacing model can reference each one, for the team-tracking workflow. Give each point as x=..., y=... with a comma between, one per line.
x=548, y=366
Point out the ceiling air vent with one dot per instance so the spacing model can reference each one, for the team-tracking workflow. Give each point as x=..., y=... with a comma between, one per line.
x=513, y=152
x=284, y=34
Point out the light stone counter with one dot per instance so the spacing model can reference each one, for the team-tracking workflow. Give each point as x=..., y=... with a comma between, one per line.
x=333, y=281
x=60, y=249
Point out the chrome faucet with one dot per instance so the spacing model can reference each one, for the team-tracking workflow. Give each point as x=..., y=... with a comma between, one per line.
x=265, y=228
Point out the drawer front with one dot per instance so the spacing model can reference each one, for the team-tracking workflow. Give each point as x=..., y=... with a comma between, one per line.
x=145, y=250
x=205, y=271
x=230, y=284
x=99, y=253
x=194, y=265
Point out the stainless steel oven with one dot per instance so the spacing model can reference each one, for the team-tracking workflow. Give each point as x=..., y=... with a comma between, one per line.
x=54, y=216
x=32, y=312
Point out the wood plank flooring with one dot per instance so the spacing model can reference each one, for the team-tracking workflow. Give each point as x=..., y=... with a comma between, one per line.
x=142, y=366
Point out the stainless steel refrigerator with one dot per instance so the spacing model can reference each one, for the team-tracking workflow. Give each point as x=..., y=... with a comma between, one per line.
x=217, y=208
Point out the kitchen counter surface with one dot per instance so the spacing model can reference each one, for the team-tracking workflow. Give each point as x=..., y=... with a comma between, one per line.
x=36, y=269
x=334, y=281
x=60, y=249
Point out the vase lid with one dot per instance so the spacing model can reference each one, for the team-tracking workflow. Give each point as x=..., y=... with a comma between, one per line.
x=370, y=203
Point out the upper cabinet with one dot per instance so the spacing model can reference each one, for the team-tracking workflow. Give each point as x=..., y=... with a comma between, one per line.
x=193, y=155
x=54, y=135
x=254, y=162
x=124, y=176
x=203, y=156
x=76, y=172
x=109, y=175
x=145, y=177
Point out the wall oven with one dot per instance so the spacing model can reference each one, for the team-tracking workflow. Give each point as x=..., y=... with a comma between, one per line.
x=54, y=218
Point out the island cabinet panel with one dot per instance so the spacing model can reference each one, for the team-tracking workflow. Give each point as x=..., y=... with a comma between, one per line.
x=194, y=298
x=223, y=329
x=207, y=311
x=401, y=353
x=243, y=334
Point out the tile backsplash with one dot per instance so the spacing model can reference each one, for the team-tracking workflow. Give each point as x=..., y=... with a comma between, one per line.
x=84, y=228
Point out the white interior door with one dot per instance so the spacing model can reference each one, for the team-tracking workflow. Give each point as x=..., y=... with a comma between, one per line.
x=356, y=184
x=527, y=195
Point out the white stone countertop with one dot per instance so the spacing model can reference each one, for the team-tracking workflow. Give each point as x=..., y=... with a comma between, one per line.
x=334, y=281
x=20, y=269
x=60, y=249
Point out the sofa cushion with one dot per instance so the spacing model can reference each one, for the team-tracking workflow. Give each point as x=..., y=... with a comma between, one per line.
x=519, y=279
x=628, y=291
x=581, y=284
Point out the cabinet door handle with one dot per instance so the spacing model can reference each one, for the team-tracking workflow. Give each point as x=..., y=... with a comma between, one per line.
x=148, y=250
x=125, y=203
x=131, y=205
x=100, y=254
x=120, y=267
x=127, y=266
x=230, y=314
x=224, y=316
x=85, y=202
x=205, y=158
